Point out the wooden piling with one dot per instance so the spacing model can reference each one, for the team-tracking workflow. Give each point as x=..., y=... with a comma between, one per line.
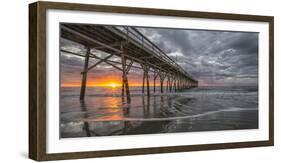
x=147, y=83
x=170, y=85
x=124, y=75
x=161, y=86
x=177, y=84
x=162, y=77
x=154, y=79
x=84, y=75
x=123, y=87
x=167, y=83
x=143, y=81
x=175, y=88
x=145, y=77
x=127, y=90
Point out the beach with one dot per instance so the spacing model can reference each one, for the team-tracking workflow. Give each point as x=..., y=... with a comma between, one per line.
x=105, y=113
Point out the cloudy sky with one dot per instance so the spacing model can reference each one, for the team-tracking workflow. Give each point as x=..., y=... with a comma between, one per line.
x=213, y=57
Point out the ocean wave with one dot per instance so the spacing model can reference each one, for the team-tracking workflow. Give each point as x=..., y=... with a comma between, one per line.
x=232, y=109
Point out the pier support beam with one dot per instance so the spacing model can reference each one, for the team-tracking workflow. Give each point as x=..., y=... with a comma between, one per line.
x=147, y=83
x=181, y=83
x=168, y=83
x=162, y=76
x=145, y=77
x=125, y=70
x=154, y=80
x=143, y=81
x=178, y=84
x=84, y=75
x=171, y=84
x=175, y=84
x=123, y=88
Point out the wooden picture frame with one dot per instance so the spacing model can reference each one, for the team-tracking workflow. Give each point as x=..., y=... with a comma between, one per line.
x=37, y=79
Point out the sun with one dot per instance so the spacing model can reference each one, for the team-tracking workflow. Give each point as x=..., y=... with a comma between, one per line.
x=113, y=85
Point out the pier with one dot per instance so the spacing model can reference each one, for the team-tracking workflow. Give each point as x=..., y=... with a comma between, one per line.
x=131, y=46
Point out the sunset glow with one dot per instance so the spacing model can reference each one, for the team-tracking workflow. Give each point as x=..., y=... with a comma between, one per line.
x=107, y=82
x=113, y=85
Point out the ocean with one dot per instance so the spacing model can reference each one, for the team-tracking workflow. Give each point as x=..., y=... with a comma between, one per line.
x=105, y=113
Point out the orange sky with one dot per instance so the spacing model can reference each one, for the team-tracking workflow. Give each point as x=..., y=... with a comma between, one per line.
x=106, y=82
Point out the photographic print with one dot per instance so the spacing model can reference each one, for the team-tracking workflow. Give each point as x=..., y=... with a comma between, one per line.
x=130, y=80
x=116, y=80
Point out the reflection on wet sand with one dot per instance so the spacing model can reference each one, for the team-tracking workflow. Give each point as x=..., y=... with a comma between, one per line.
x=89, y=124
x=86, y=124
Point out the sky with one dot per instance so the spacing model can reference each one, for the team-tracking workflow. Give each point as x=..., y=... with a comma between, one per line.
x=214, y=58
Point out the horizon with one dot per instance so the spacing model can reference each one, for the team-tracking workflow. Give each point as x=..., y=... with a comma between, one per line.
x=116, y=86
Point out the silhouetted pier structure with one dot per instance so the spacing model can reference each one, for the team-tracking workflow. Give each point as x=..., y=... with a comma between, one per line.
x=132, y=47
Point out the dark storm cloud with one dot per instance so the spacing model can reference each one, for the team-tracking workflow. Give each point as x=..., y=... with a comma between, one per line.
x=213, y=57
x=169, y=40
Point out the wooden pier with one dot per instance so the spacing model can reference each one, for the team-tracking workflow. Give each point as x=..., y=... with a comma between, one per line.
x=132, y=47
